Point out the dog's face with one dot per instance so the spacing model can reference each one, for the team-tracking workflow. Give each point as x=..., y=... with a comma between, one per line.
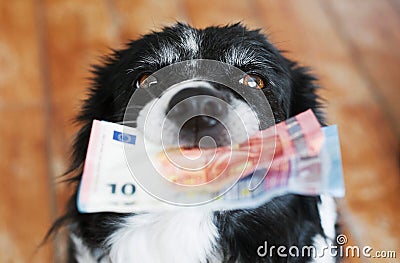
x=196, y=108
x=187, y=108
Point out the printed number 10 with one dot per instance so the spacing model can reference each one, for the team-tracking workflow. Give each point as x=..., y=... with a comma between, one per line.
x=126, y=189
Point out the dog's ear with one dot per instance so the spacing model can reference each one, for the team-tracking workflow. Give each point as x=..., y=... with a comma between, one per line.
x=304, y=92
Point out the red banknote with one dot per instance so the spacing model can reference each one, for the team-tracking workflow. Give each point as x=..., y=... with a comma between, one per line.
x=297, y=136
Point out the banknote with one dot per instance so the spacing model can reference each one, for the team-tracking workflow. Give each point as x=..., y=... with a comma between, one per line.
x=306, y=161
x=301, y=136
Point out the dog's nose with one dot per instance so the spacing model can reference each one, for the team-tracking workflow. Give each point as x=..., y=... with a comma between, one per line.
x=197, y=108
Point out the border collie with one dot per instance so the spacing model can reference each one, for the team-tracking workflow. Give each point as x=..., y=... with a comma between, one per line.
x=196, y=235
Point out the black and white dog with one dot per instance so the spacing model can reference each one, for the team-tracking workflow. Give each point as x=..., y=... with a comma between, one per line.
x=196, y=235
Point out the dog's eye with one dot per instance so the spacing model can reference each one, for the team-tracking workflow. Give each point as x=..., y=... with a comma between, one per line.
x=145, y=81
x=252, y=81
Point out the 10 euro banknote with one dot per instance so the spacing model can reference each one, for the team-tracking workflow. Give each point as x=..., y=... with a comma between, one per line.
x=123, y=173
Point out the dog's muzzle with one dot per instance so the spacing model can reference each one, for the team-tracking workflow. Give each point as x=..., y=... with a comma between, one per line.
x=199, y=112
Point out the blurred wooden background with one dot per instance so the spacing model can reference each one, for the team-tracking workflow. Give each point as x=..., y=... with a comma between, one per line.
x=46, y=47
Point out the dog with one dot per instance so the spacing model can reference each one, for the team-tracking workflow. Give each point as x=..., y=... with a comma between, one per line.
x=196, y=235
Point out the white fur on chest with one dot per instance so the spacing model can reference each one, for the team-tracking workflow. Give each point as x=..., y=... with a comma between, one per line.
x=185, y=235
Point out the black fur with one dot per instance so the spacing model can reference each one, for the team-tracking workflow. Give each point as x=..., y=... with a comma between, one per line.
x=287, y=220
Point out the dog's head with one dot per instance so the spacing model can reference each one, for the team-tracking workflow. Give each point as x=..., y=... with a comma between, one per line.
x=196, y=107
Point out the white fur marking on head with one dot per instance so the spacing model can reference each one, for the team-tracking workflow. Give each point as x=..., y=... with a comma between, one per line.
x=168, y=53
x=239, y=56
x=190, y=41
x=182, y=235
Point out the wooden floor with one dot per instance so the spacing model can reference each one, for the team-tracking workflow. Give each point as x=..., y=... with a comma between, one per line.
x=46, y=47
